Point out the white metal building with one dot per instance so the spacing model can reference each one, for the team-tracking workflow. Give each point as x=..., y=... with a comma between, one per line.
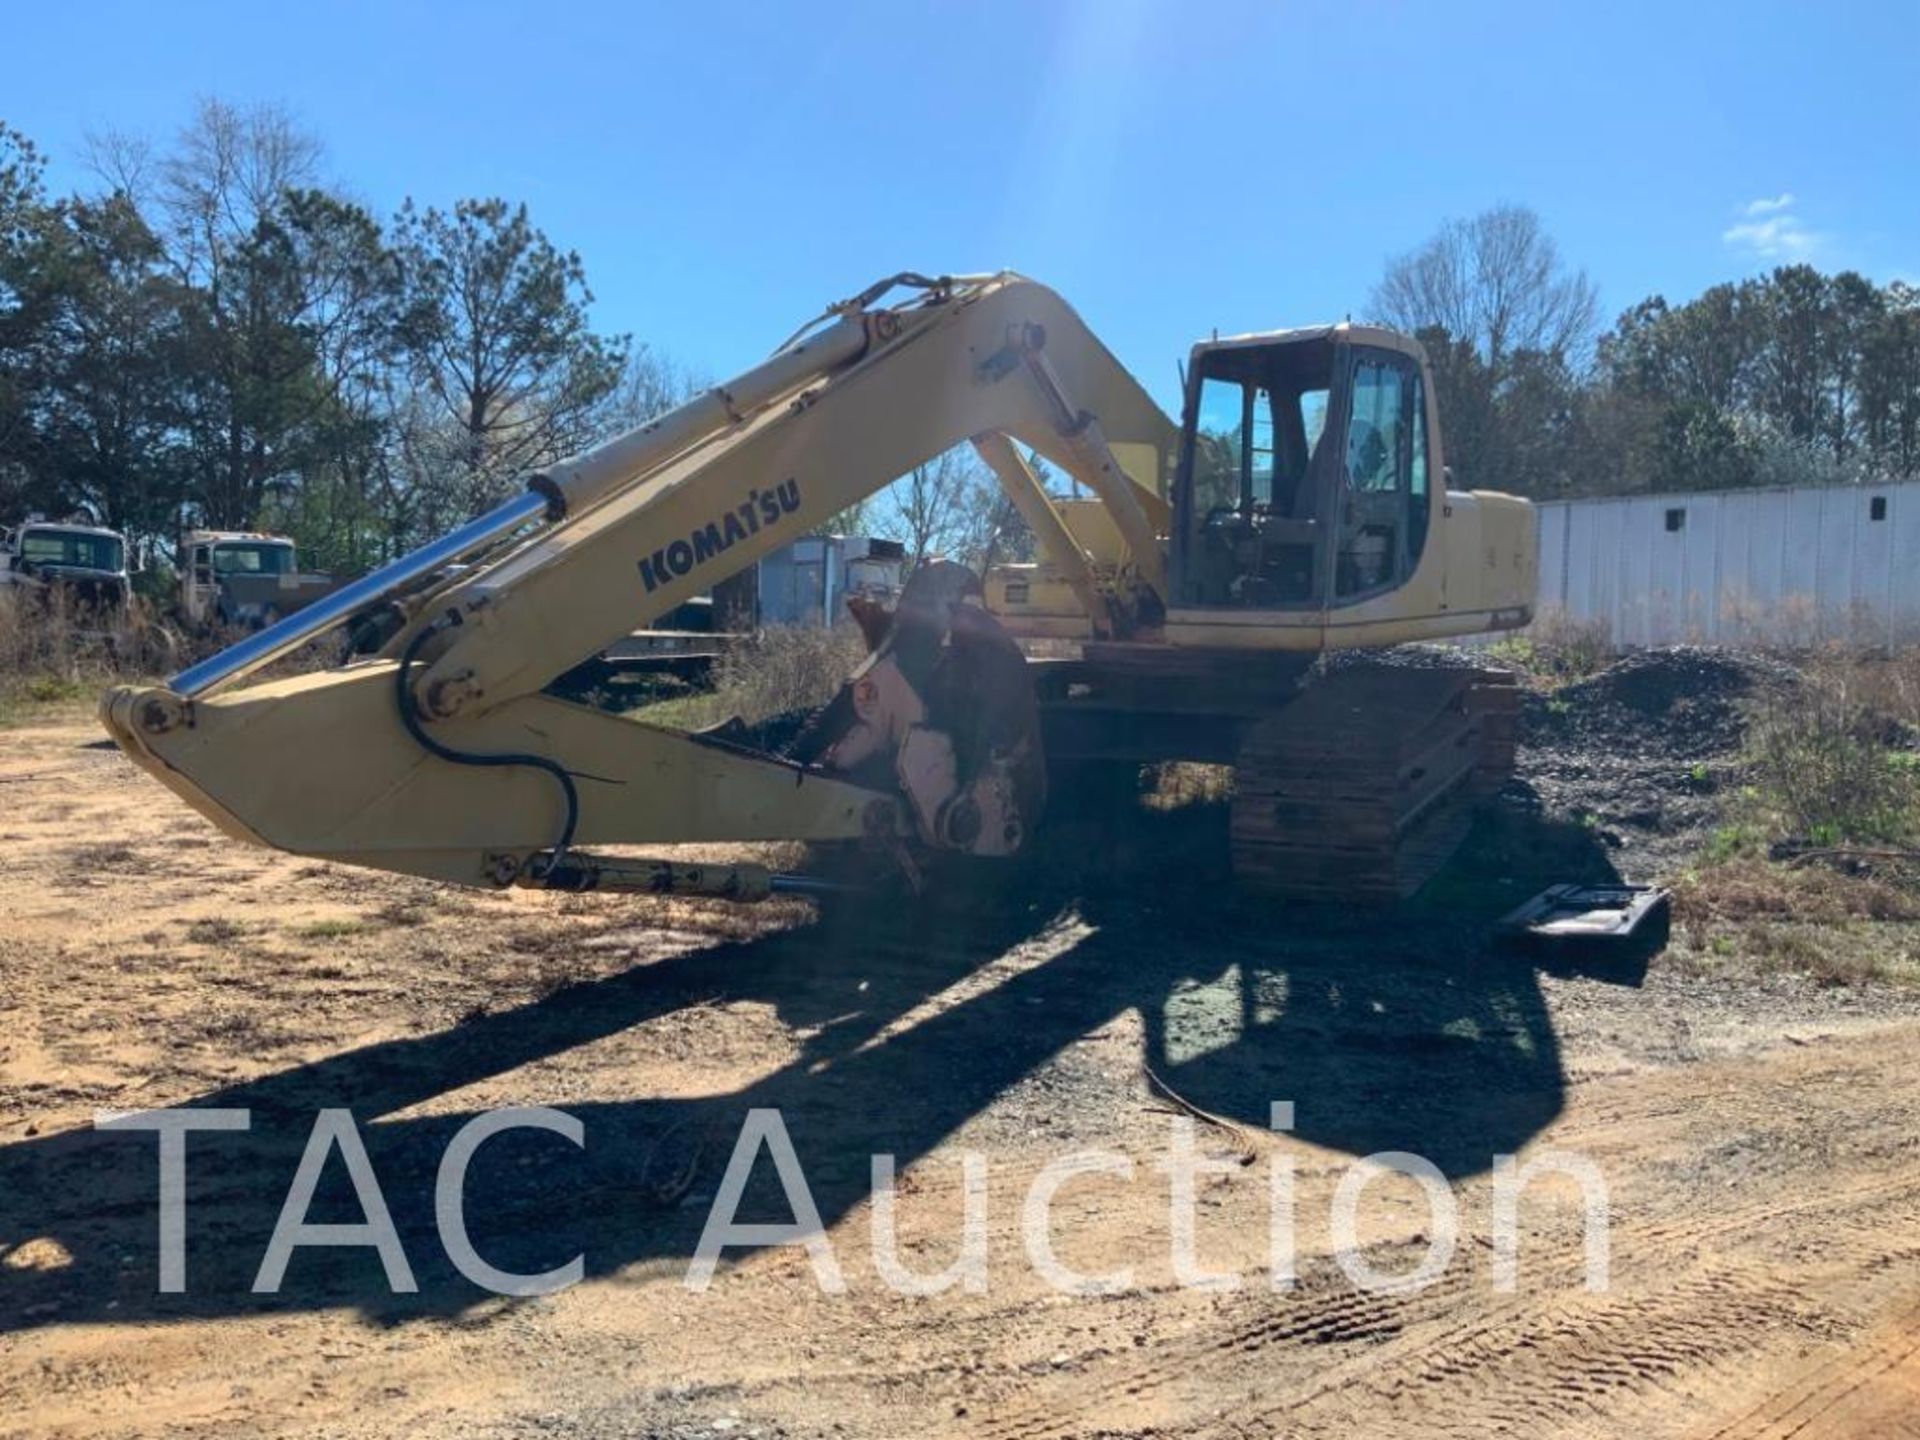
x=1789, y=565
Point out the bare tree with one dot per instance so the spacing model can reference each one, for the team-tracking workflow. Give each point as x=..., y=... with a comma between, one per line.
x=997, y=531
x=223, y=180
x=929, y=508
x=650, y=384
x=218, y=201
x=124, y=162
x=1496, y=281
x=951, y=508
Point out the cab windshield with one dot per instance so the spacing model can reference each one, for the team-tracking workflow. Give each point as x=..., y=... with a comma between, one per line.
x=73, y=548
x=1258, y=417
x=253, y=559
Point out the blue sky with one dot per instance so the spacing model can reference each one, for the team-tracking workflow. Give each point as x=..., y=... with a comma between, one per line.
x=724, y=170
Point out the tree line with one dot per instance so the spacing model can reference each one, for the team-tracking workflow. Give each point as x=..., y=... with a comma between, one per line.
x=218, y=337
x=1793, y=377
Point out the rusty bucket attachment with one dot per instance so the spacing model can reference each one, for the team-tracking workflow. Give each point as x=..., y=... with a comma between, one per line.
x=944, y=710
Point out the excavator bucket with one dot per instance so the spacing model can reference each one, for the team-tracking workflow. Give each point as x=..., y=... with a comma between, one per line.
x=944, y=709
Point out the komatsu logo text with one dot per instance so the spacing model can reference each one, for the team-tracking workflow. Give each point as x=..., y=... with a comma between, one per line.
x=762, y=508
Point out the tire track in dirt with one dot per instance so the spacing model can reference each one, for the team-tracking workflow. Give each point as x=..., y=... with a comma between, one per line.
x=1567, y=1367
x=1549, y=1364
x=1581, y=1348
x=1841, y=1396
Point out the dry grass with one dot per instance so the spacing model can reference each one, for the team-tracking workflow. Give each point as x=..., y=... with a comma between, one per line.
x=785, y=668
x=1832, y=757
x=1882, y=682
x=1748, y=889
x=56, y=656
x=780, y=670
x=1834, y=927
x=50, y=658
x=1850, y=956
x=1831, y=765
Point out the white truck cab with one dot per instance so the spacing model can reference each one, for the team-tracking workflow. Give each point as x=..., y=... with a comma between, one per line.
x=87, y=562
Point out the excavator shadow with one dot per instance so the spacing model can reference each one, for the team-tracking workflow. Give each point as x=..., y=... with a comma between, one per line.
x=1400, y=1029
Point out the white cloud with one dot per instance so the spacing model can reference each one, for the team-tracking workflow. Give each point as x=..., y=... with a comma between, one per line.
x=1771, y=230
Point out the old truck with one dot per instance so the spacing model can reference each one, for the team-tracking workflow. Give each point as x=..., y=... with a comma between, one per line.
x=241, y=579
x=86, y=563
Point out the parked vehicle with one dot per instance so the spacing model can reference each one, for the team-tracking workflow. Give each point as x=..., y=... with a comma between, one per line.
x=87, y=563
x=243, y=579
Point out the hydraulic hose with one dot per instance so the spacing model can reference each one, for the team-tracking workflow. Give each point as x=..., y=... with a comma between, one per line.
x=410, y=717
x=912, y=279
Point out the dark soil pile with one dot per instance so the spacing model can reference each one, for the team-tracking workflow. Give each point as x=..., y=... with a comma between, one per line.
x=1677, y=705
x=1642, y=751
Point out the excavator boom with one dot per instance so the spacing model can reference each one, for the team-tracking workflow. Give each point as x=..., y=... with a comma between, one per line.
x=442, y=756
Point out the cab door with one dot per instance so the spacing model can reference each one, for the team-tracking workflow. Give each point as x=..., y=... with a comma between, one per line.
x=1382, y=510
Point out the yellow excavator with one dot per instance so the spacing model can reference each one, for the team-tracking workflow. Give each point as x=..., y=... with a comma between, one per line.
x=1176, y=611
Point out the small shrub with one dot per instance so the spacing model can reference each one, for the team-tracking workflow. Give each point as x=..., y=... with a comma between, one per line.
x=214, y=931
x=1826, y=766
x=1558, y=649
x=787, y=668
x=330, y=929
x=53, y=689
x=1734, y=842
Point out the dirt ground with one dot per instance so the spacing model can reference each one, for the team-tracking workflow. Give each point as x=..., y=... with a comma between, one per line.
x=1759, y=1139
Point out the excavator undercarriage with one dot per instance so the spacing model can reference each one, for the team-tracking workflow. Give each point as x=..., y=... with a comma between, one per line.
x=1362, y=789
x=1352, y=781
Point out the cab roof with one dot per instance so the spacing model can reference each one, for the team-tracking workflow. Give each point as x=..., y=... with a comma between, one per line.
x=72, y=527
x=254, y=537
x=1376, y=336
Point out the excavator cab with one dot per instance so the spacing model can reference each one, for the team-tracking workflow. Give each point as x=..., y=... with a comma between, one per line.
x=1304, y=472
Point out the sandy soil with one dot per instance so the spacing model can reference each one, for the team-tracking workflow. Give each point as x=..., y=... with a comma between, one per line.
x=1760, y=1142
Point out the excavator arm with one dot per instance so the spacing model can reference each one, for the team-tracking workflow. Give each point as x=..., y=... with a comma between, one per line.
x=1001, y=356
x=442, y=756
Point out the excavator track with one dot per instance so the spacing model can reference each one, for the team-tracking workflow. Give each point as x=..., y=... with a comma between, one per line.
x=1361, y=788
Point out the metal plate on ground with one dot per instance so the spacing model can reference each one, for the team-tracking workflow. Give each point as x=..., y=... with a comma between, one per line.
x=1589, y=913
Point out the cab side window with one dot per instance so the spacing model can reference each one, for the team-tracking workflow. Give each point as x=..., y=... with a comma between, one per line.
x=1377, y=509
x=1374, y=432
x=1217, y=446
x=1233, y=464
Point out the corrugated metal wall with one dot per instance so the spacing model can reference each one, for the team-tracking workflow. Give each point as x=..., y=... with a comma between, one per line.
x=1791, y=566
